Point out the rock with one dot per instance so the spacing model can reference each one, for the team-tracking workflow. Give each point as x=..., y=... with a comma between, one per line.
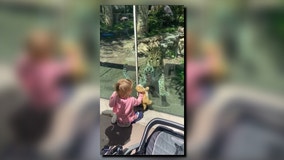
x=154, y=44
x=180, y=32
x=170, y=43
x=145, y=43
x=171, y=38
x=123, y=18
x=181, y=46
x=164, y=45
x=157, y=38
x=107, y=56
x=181, y=29
x=142, y=48
x=106, y=52
x=144, y=40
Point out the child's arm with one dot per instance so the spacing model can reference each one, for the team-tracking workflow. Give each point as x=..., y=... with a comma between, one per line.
x=138, y=101
x=112, y=99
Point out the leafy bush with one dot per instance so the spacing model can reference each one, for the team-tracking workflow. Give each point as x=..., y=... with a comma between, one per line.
x=178, y=81
x=119, y=28
x=170, y=54
x=159, y=23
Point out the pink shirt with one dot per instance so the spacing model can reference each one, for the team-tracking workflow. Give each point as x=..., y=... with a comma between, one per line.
x=40, y=80
x=123, y=108
x=195, y=70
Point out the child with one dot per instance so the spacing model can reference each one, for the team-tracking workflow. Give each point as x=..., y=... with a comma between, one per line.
x=39, y=73
x=203, y=72
x=123, y=104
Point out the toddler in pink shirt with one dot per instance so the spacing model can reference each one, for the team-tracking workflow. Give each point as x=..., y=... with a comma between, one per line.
x=123, y=104
x=40, y=74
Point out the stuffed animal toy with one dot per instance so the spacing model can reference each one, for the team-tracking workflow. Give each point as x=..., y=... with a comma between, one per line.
x=145, y=101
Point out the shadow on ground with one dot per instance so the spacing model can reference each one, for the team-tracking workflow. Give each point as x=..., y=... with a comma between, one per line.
x=118, y=135
x=113, y=135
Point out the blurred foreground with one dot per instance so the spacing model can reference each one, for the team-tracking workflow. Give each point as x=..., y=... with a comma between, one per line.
x=234, y=80
x=31, y=126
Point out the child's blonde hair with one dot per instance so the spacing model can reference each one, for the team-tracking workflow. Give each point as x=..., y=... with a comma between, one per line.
x=123, y=87
x=41, y=42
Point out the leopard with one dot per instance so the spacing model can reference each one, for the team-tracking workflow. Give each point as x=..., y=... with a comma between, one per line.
x=151, y=74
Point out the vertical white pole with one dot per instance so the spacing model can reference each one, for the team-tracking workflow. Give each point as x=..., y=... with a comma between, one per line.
x=135, y=42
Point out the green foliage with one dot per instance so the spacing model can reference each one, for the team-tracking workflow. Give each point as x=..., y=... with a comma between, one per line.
x=105, y=29
x=160, y=23
x=122, y=8
x=178, y=15
x=180, y=74
x=117, y=28
x=159, y=31
x=170, y=54
x=178, y=81
x=181, y=20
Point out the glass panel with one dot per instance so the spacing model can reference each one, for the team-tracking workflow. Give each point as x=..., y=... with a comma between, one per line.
x=117, y=57
x=160, y=66
x=160, y=53
x=161, y=56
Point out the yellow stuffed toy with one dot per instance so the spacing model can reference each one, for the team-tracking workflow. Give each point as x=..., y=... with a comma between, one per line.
x=145, y=101
x=74, y=52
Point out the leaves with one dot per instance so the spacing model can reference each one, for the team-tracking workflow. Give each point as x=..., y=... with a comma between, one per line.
x=159, y=22
x=178, y=80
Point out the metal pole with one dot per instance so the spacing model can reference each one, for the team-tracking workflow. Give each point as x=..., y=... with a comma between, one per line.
x=135, y=43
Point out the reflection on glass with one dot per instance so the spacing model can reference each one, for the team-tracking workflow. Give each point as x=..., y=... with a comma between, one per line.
x=116, y=47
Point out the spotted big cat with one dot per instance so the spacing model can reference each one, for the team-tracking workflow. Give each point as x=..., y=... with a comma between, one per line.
x=151, y=74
